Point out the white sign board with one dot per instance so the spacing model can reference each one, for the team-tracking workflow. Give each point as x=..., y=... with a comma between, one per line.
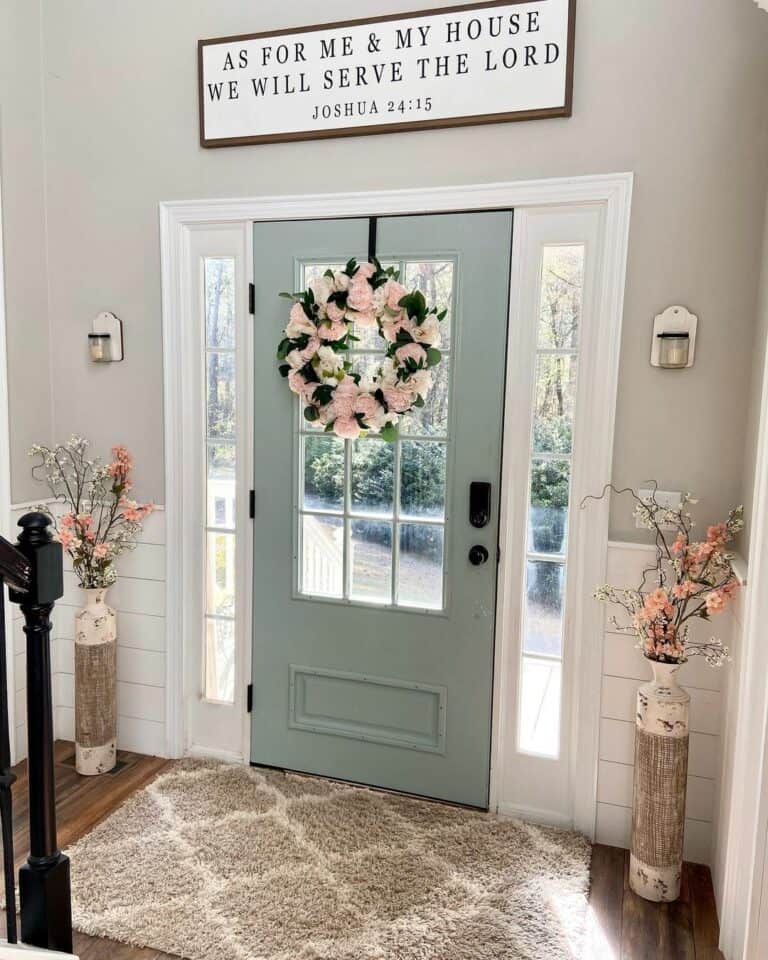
x=478, y=63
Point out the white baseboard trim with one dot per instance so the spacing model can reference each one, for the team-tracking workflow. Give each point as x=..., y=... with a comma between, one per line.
x=546, y=818
x=225, y=756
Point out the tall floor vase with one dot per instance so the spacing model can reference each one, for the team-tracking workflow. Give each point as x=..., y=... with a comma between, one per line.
x=95, y=685
x=661, y=771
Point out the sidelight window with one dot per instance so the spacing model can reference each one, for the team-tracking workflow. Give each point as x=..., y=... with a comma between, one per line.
x=372, y=514
x=220, y=463
x=549, y=498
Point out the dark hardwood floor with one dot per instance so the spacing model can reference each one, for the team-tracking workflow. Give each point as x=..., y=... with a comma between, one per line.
x=621, y=926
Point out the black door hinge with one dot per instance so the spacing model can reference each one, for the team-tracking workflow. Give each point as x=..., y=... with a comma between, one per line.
x=249, y=698
x=252, y=504
x=251, y=299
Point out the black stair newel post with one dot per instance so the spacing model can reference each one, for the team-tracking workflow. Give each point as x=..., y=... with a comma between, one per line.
x=44, y=885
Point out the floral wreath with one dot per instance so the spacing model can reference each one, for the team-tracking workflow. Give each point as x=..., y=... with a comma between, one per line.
x=315, y=343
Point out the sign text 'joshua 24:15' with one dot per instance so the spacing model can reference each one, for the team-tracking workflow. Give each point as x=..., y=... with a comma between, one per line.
x=476, y=63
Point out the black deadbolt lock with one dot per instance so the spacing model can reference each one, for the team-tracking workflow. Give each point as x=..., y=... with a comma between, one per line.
x=479, y=503
x=478, y=555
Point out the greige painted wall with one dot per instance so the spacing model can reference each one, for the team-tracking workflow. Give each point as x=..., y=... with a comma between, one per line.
x=23, y=195
x=674, y=91
x=756, y=390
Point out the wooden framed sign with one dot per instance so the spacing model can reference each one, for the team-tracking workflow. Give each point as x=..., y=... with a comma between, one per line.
x=475, y=63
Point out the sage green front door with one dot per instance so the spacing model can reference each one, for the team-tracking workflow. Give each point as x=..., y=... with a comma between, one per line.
x=373, y=630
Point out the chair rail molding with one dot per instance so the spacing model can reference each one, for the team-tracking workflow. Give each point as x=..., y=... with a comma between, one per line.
x=178, y=219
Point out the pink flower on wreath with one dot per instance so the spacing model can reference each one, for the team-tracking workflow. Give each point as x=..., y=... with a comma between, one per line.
x=411, y=351
x=391, y=327
x=344, y=397
x=398, y=399
x=360, y=296
x=346, y=427
x=298, y=358
x=333, y=331
x=371, y=410
x=395, y=294
x=334, y=312
x=67, y=521
x=101, y=551
x=297, y=382
x=365, y=271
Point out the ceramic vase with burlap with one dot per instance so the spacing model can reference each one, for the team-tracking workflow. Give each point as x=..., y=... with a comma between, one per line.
x=661, y=771
x=95, y=685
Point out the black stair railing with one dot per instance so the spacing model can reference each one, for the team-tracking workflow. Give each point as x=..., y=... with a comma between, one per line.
x=32, y=570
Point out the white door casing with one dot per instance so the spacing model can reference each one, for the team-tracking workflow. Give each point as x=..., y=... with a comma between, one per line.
x=180, y=222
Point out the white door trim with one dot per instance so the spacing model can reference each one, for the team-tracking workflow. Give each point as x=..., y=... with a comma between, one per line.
x=746, y=832
x=177, y=218
x=5, y=490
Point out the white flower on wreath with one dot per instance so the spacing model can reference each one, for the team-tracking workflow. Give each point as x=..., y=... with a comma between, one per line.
x=421, y=382
x=388, y=374
x=428, y=332
x=297, y=359
x=321, y=289
x=329, y=364
x=299, y=323
x=341, y=281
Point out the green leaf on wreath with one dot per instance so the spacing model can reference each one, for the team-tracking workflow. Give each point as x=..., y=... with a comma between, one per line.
x=311, y=414
x=389, y=433
x=433, y=356
x=284, y=369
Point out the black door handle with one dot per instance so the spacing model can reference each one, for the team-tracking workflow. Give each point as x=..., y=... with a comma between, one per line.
x=478, y=555
x=479, y=503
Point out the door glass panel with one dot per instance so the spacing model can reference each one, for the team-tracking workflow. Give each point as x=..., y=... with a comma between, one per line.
x=220, y=302
x=219, y=299
x=221, y=395
x=555, y=396
x=373, y=476
x=540, y=707
x=548, y=513
x=371, y=568
x=373, y=485
x=562, y=280
x=220, y=660
x=544, y=608
x=420, y=571
x=422, y=479
x=558, y=319
x=322, y=556
x=221, y=574
x=221, y=485
x=323, y=473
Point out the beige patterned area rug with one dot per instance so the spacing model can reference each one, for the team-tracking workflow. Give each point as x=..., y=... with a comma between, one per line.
x=216, y=862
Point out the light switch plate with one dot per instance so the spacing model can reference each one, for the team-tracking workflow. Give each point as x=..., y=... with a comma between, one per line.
x=665, y=498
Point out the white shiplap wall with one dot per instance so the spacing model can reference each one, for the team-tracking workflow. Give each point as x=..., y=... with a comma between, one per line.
x=623, y=668
x=139, y=599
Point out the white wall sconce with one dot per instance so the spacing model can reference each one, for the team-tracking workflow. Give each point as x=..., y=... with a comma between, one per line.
x=105, y=341
x=674, y=339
